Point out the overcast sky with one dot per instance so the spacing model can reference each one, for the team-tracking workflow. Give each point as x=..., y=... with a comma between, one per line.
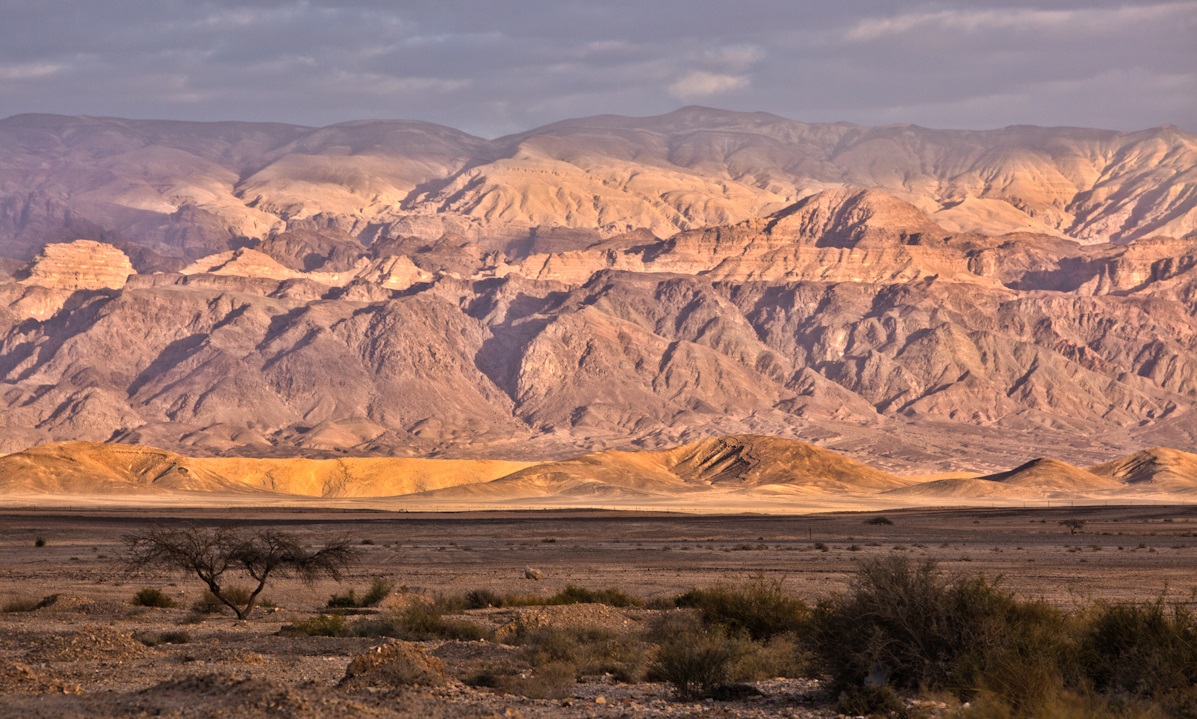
x=495, y=66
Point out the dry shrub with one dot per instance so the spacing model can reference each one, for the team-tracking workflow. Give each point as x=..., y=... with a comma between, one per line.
x=20, y=604
x=150, y=597
x=380, y=589
x=590, y=650
x=761, y=608
x=554, y=680
x=1147, y=651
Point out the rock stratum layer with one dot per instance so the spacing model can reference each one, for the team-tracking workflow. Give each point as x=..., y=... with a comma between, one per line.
x=919, y=299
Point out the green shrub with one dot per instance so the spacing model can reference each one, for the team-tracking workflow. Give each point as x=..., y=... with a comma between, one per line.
x=150, y=597
x=761, y=608
x=325, y=625
x=419, y=622
x=379, y=590
x=697, y=660
x=912, y=627
x=1144, y=650
x=573, y=594
x=590, y=650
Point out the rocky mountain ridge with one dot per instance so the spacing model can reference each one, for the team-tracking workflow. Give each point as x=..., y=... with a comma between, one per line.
x=169, y=193
x=860, y=317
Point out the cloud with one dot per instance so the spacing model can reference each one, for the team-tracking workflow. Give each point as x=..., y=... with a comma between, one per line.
x=494, y=68
x=974, y=20
x=705, y=84
x=29, y=71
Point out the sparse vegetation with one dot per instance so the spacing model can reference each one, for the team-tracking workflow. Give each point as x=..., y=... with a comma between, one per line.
x=879, y=521
x=20, y=604
x=150, y=597
x=1074, y=525
x=39, y=542
x=210, y=554
x=380, y=589
x=761, y=608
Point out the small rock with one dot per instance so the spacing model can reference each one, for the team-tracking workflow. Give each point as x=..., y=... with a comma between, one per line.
x=600, y=700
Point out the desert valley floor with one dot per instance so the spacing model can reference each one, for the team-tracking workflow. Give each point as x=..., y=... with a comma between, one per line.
x=86, y=654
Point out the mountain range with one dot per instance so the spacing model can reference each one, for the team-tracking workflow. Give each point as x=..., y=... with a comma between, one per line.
x=919, y=299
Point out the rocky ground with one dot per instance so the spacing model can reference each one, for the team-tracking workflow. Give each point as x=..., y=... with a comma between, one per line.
x=90, y=652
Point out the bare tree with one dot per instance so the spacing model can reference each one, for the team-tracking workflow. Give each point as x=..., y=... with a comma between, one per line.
x=211, y=553
x=1074, y=525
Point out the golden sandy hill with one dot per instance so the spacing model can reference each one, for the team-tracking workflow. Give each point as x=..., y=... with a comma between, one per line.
x=737, y=462
x=96, y=468
x=1043, y=477
x=1158, y=468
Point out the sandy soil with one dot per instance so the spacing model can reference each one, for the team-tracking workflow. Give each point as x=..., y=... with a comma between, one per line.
x=82, y=655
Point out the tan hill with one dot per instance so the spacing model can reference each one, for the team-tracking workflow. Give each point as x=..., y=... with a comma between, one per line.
x=1157, y=468
x=86, y=468
x=734, y=463
x=1042, y=477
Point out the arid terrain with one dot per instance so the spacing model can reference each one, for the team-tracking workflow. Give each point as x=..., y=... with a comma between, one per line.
x=920, y=300
x=91, y=652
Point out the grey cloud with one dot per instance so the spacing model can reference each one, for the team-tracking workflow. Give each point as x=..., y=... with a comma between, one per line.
x=490, y=67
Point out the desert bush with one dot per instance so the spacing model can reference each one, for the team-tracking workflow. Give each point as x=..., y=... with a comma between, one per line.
x=590, y=650
x=910, y=626
x=483, y=598
x=324, y=625
x=39, y=542
x=1145, y=651
x=379, y=590
x=19, y=604
x=879, y=521
x=573, y=594
x=554, y=680
x=419, y=622
x=1059, y=705
x=150, y=597
x=697, y=659
x=761, y=607
x=870, y=700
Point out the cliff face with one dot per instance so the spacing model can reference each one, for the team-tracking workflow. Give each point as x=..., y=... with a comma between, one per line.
x=867, y=327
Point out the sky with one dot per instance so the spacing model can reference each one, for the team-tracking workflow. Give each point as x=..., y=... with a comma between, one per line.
x=492, y=67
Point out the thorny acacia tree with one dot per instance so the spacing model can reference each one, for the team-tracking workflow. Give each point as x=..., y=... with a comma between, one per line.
x=210, y=553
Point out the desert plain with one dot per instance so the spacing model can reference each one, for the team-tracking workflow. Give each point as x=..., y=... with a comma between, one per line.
x=90, y=652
